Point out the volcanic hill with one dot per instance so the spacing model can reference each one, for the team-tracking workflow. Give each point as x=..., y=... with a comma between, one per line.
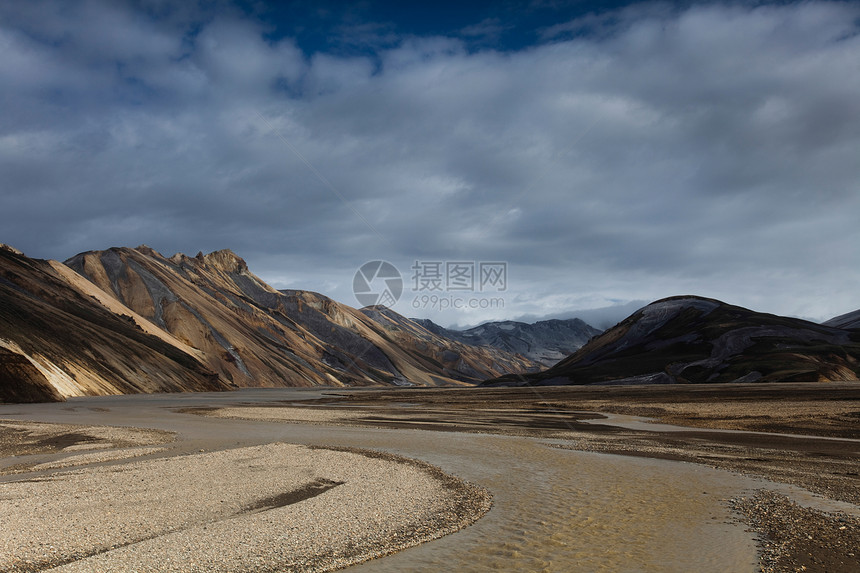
x=689, y=339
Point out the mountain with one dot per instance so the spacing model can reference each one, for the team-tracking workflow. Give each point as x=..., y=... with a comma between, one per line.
x=216, y=306
x=255, y=335
x=457, y=357
x=690, y=339
x=848, y=321
x=61, y=336
x=208, y=314
x=545, y=341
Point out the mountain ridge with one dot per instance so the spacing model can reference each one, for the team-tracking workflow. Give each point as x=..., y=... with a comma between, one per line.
x=849, y=320
x=217, y=294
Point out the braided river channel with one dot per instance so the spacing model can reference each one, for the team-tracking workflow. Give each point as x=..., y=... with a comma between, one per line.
x=554, y=509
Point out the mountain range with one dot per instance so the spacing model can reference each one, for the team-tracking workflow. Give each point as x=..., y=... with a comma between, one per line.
x=128, y=320
x=545, y=342
x=689, y=339
x=131, y=320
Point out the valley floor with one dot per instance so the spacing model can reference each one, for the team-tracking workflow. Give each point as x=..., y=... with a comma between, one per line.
x=271, y=479
x=804, y=435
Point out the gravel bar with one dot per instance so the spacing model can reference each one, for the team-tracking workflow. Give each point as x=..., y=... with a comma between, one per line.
x=795, y=538
x=276, y=507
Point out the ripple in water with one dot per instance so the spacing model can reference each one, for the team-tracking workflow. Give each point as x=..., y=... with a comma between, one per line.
x=560, y=510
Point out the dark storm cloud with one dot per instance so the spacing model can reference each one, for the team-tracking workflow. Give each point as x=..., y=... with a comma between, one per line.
x=631, y=155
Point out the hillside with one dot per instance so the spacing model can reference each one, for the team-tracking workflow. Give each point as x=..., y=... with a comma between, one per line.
x=850, y=320
x=450, y=351
x=58, y=338
x=696, y=340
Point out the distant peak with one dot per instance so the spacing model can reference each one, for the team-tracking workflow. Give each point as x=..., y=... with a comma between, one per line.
x=665, y=307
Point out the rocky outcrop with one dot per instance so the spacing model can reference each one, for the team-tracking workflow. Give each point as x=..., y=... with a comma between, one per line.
x=9, y=248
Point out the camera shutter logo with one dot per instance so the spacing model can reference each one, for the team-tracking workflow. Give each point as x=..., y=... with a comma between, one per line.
x=377, y=283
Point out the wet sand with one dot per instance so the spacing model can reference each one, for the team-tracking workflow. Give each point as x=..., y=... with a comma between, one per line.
x=561, y=493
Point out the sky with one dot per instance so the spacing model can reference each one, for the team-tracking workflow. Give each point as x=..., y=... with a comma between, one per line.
x=515, y=160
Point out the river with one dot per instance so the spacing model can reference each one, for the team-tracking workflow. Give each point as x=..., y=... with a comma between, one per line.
x=554, y=509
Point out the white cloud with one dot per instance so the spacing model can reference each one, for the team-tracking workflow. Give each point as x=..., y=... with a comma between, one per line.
x=710, y=150
x=238, y=60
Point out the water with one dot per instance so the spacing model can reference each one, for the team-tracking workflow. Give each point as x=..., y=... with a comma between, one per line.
x=554, y=509
x=562, y=510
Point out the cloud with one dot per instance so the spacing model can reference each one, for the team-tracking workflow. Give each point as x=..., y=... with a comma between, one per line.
x=647, y=152
x=240, y=63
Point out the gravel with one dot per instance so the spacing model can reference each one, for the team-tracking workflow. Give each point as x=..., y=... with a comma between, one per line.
x=299, y=415
x=795, y=538
x=28, y=438
x=277, y=507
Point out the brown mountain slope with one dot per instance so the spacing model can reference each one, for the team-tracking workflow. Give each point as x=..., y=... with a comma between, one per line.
x=199, y=303
x=57, y=340
x=254, y=335
x=690, y=339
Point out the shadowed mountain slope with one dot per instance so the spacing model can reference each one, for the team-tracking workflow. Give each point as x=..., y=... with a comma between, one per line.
x=689, y=339
x=58, y=340
x=850, y=320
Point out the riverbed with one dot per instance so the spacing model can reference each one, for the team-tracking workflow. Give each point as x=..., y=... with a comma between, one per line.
x=555, y=507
